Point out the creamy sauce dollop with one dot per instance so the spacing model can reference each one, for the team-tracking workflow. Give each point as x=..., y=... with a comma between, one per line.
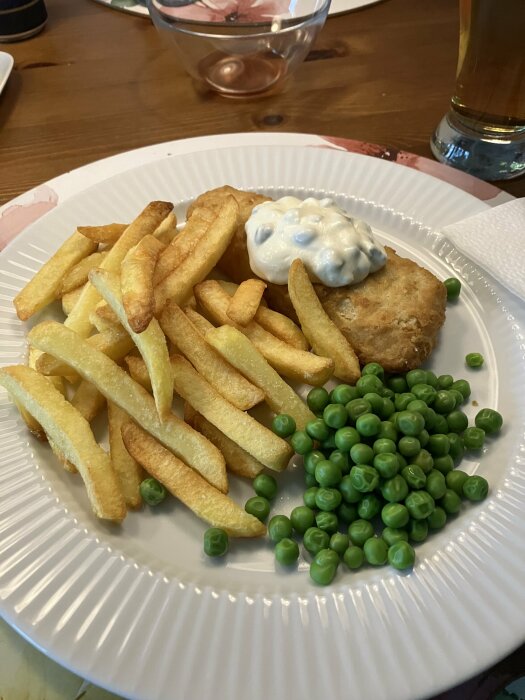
x=336, y=249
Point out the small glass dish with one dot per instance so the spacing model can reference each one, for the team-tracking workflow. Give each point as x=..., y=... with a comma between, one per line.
x=240, y=47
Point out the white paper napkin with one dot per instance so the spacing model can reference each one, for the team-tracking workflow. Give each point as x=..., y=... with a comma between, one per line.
x=495, y=240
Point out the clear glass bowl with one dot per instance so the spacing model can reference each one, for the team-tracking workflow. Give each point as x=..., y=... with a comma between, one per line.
x=240, y=47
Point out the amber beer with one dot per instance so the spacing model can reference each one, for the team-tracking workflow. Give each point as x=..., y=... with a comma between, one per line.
x=490, y=85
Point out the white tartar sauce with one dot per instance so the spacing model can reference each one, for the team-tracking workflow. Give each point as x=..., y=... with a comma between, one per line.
x=336, y=249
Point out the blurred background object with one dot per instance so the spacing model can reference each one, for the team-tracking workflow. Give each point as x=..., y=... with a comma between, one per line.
x=21, y=19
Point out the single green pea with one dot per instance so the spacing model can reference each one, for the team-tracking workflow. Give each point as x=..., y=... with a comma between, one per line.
x=384, y=445
x=373, y=368
x=364, y=477
x=327, y=499
x=489, y=420
x=348, y=491
x=474, y=360
x=387, y=430
x=343, y=393
x=397, y=383
x=463, y=387
x=423, y=437
x=258, y=506
x=415, y=376
x=375, y=400
x=329, y=443
x=440, y=425
x=309, y=480
x=387, y=393
x=335, y=415
x=438, y=445
x=432, y=378
x=420, y=504
x=458, y=396
x=368, y=424
x=369, y=384
x=409, y=446
x=360, y=531
x=444, y=402
x=419, y=406
x=475, y=488
x=445, y=381
x=323, y=569
x=341, y=460
x=327, y=521
x=317, y=399
x=430, y=419
x=410, y=423
x=394, y=490
x=402, y=460
x=339, y=542
x=401, y=401
x=327, y=473
x=436, y=484
x=309, y=497
x=354, y=557
x=455, y=480
x=216, y=542
x=387, y=409
x=311, y=460
x=346, y=438
x=473, y=438
x=417, y=530
x=152, y=491
x=302, y=518
x=376, y=551
x=387, y=464
x=279, y=528
x=450, y=502
x=457, y=421
x=317, y=429
x=391, y=535
x=437, y=519
x=414, y=476
x=357, y=407
x=287, y=551
x=347, y=513
x=265, y=485
x=444, y=464
x=361, y=453
x=453, y=288
x=315, y=540
x=424, y=460
x=401, y=555
x=283, y=425
x=301, y=442
x=369, y=506
x=395, y=515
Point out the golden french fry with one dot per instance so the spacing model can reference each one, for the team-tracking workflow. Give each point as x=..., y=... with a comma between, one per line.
x=286, y=360
x=105, y=312
x=108, y=234
x=202, y=258
x=184, y=483
x=238, y=461
x=71, y=434
x=246, y=300
x=146, y=222
x=136, y=281
x=128, y=471
x=241, y=353
x=207, y=361
x=256, y=439
x=88, y=400
x=70, y=299
x=117, y=386
x=44, y=287
x=138, y=371
x=78, y=274
x=151, y=343
x=201, y=324
x=324, y=336
x=103, y=324
x=167, y=229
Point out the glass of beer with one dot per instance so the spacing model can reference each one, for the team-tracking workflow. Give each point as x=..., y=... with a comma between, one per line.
x=484, y=131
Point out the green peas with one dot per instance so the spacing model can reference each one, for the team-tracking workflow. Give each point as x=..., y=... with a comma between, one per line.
x=287, y=551
x=302, y=518
x=387, y=430
x=265, y=485
x=309, y=480
x=343, y=394
x=395, y=489
x=324, y=568
x=384, y=445
x=369, y=506
x=348, y=490
x=258, y=506
x=488, y=420
x=368, y=424
x=341, y=460
x=311, y=459
x=152, y=491
x=410, y=423
x=315, y=540
x=423, y=437
x=339, y=543
x=395, y=515
x=453, y=287
x=354, y=557
x=335, y=415
x=440, y=424
x=376, y=401
x=438, y=445
x=402, y=460
x=283, y=425
x=416, y=376
x=345, y=438
x=458, y=396
x=445, y=381
x=309, y=497
x=455, y=480
x=327, y=473
x=474, y=360
x=397, y=383
x=419, y=406
x=360, y=531
x=414, y=476
x=437, y=519
x=317, y=399
x=424, y=460
x=364, y=478
x=430, y=419
x=473, y=438
x=463, y=387
x=401, y=555
x=374, y=368
x=409, y=446
x=401, y=401
x=457, y=421
x=369, y=384
x=387, y=393
x=444, y=464
x=216, y=542
x=451, y=502
x=436, y=484
x=301, y=442
x=387, y=464
x=387, y=409
x=279, y=528
x=418, y=530
x=347, y=513
x=317, y=429
x=357, y=407
x=475, y=488
x=361, y=454
x=376, y=551
x=327, y=522
x=329, y=443
x=420, y=504
x=392, y=535
x=327, y=499
x=444, y=402
x=431, y=378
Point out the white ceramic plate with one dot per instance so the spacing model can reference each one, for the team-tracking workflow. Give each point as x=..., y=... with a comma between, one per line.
x=139, y=610
x=6, y=65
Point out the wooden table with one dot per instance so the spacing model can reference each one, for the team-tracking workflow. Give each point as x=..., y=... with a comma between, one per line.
x=97, y=82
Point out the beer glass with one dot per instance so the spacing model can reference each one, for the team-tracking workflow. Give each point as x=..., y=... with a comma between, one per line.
x=484, y=131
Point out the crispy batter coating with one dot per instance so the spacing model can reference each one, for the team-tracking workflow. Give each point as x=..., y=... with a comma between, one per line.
x=393, y=317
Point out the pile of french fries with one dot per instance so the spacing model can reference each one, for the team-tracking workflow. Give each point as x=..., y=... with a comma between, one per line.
x=141, y=316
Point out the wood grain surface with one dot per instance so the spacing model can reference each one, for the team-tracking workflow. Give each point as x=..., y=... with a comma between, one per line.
x=97, y=82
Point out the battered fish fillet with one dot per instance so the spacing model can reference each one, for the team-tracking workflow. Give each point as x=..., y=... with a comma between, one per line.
x=393, y=317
